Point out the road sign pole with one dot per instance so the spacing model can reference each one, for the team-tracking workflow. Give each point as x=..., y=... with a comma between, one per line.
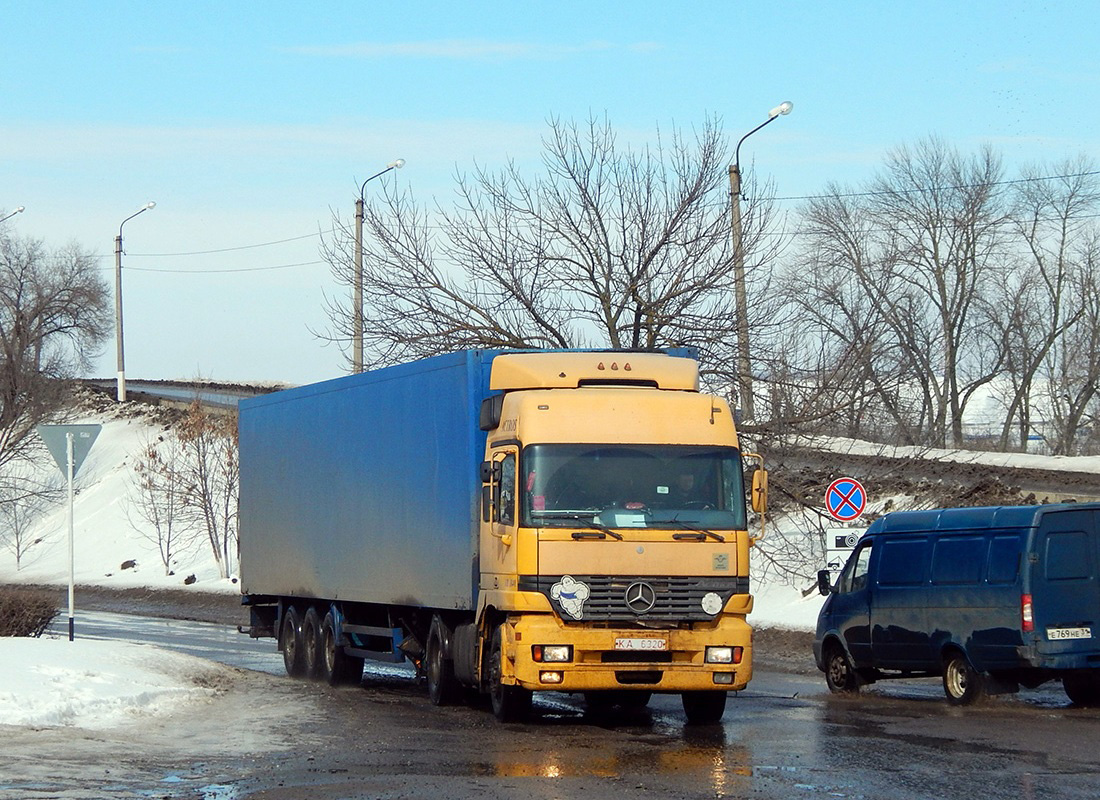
x=72, y=560
x=69, y=446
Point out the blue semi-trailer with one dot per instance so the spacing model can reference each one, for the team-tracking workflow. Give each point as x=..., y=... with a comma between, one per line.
x=510, y=522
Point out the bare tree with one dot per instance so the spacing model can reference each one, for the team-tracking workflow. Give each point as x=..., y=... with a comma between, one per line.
x=901, y=273
x=24, y=499
x=53, y=314
x=209, y=473
x=611, y=246
x=1050, y=215
x=1071, y=371
x=158, y=509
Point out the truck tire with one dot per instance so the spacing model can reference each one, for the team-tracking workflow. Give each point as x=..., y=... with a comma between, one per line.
x=704, y=707
x=337, y=667
x=962, y=684
x=510, y=703
x=443, y=687
x=840, y=676
x=291, y=641
x=311, y=645
x=1082, y=688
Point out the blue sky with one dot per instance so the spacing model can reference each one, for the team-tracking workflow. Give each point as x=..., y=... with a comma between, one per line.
x=249, y=123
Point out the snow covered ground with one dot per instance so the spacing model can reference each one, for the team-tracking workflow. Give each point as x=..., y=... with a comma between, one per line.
x=94, y=684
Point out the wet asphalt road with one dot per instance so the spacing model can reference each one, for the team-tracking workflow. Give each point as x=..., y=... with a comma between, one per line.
x=271, y=738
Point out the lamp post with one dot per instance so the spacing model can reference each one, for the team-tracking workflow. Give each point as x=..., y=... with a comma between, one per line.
x=744, y=366
x=357, y=279
x=118, y=303
x=19, y=210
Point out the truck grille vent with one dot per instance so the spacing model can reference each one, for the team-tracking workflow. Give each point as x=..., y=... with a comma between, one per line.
x=675, y=599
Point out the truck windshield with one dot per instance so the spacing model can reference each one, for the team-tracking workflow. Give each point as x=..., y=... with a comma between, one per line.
x=675, y=487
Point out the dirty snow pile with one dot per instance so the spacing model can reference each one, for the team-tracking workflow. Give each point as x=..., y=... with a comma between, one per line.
x=94, y=684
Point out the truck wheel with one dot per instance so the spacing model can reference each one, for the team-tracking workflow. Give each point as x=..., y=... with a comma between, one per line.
x=443, y=688
x=1082, y=688
x=510, y=703
x=962, y=684
x=311, y=645
x=291, y=640
x=704, y=707
x=839, y=673
x=337, y=667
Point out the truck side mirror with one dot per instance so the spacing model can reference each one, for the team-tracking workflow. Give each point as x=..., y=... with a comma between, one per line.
x=824, y=583
x=490, y=471
x=491, y=410
x=760, y=491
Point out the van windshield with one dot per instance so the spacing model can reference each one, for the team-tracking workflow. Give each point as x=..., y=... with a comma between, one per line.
x=675, y=487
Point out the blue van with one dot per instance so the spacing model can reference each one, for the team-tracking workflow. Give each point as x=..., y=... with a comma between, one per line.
x=988, y=598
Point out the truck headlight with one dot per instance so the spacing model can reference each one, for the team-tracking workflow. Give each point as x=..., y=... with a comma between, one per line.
x=723, y=655
x=545, y=653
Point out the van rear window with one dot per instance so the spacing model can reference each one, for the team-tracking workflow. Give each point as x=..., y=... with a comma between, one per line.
x=903, y=562
x=958, y=559
x=1067, y=556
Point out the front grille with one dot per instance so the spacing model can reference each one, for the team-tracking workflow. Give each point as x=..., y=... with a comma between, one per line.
x=676, y=599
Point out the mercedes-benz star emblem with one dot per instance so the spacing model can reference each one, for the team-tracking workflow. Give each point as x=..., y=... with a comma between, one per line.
x=640, y=597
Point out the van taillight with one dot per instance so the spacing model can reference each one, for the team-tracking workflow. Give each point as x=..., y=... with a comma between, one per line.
x=1027, y=618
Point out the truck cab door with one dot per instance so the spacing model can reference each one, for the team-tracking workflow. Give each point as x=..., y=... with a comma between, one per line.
x=500, y=517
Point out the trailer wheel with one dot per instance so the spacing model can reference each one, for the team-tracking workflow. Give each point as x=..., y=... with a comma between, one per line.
x=703, y=707
x=1082, y=688
x=337, y=667
x=962, y=684
x=291, y=640
x=443, y=687
x=311, y=645
x=839, y=673
x=510, y=703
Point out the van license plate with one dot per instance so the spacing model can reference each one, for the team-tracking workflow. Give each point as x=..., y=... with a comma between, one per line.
x=641, y=644
x=1055, y=634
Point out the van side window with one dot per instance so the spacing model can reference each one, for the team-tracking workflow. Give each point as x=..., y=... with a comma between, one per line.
x=854, y=577
x=902, y=562
x=1067, y=556
x=958, y=559
x=1004, y=559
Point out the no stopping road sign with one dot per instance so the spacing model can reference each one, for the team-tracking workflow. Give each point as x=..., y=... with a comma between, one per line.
x=845, y=499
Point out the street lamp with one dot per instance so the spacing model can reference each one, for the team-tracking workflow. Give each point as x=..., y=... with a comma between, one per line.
x=357, y=280
x=744, y=367
x=19, y=210
x=118, y=303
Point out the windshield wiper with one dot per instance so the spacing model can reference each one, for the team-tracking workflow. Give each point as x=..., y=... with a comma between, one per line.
x=581, y=519
x=701, y=533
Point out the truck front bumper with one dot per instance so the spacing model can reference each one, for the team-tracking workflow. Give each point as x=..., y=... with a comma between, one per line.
x=621, y=658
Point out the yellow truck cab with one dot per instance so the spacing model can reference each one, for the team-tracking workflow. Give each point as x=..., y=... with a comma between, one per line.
x=614, y=544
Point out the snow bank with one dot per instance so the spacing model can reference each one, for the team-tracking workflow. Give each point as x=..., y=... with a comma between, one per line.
x=108, y=533
x=94, y=684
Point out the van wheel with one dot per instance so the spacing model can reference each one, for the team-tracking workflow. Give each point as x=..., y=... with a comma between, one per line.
x=291, y=640
x=962, y=684
x=510, y=703
x=1082, y=688
x=311, y=645
x=839, y=674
